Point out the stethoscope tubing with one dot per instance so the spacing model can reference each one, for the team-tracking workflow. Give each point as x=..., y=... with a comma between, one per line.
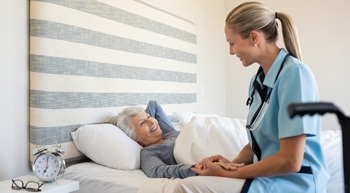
x=260, y=113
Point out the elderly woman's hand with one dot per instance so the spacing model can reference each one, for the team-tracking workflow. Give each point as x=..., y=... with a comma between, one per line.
x=197, y=166
x=212, y=159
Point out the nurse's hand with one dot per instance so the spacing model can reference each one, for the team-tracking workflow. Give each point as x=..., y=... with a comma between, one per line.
x=231, y=166
x=216, y=169
x=212, y=159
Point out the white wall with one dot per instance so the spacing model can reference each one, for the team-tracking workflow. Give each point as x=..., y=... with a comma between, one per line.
x=322, y=26
x=14, y=86
x=209, y=20
x=211, y=57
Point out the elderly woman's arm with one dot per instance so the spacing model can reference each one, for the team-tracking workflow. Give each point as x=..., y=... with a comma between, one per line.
x=156, y=111
x=154, y=167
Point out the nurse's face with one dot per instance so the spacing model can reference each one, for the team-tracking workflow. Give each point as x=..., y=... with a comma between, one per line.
x=242, y=48
x=147, y=129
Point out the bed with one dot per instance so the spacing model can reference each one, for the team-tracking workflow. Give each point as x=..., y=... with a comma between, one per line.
x=89, y=59
x=95, y=177
x=114, y=166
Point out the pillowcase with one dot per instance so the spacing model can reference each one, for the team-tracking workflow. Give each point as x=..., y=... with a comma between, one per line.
x=205, y=136
x=107, y=145
x=185, y=117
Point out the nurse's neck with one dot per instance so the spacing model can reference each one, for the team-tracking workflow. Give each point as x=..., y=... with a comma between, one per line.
x=269, y=55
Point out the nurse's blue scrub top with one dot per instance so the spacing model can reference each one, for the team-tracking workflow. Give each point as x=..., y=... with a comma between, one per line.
x=295, y=83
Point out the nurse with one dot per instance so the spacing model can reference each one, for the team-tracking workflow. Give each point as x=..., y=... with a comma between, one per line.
x=283, y=154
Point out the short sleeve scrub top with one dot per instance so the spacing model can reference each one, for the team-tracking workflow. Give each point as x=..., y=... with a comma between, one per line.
x=294, y=83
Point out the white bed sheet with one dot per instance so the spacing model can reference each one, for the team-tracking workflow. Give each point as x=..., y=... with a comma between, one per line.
x=95, y=178
x=331, y=141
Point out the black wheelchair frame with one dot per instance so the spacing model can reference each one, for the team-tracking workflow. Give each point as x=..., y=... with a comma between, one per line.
x=321, y=108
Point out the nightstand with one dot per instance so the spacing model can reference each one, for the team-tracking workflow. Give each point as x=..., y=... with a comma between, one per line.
x=61, y=186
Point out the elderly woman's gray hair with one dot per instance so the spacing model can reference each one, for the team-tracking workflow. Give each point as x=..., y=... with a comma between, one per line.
x=122, y=120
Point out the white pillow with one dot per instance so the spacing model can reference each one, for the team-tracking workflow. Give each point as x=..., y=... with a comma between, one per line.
x=185, y=117
x=205, y=136
x=107, y=145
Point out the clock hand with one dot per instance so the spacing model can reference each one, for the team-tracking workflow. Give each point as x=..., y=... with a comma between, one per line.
x=47, y=165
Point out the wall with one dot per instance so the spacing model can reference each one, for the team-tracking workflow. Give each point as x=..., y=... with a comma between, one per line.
x=322, y=29
x=14, y=85
x=211, y=58
x=209, y=20
x=14, y=74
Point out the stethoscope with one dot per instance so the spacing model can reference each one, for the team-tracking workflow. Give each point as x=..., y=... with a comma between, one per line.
x=259, y=114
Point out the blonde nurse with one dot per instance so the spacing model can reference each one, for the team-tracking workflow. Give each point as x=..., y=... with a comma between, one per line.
x=283, y=154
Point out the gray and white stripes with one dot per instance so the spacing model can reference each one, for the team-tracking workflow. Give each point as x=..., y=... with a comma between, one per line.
x=89, y=59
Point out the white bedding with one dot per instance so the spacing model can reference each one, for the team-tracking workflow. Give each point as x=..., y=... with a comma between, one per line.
x=205, y=136
x=95, y=178
x=332, y=145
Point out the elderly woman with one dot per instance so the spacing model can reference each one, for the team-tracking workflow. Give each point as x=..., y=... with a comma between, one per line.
x=152, y=129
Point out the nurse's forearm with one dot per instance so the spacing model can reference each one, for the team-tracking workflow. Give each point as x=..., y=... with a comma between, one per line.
x=245, y=155
x=287, y=160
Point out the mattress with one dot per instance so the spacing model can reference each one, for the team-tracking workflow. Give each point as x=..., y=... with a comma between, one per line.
x=95, y=178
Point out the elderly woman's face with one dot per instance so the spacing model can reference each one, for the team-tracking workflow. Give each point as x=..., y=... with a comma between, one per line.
x=147, y=129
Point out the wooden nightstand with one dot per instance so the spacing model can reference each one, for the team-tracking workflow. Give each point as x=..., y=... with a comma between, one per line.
x=61, y=186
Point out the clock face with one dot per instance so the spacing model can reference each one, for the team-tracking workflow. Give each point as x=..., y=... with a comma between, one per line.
x=47, y=167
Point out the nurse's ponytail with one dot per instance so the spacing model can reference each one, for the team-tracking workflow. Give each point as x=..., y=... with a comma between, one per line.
x=290, y=35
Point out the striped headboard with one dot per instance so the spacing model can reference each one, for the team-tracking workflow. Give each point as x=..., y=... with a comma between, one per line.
x=89, y=59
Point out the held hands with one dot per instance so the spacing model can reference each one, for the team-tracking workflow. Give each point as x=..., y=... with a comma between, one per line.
x=216, y=158
x=215, y=166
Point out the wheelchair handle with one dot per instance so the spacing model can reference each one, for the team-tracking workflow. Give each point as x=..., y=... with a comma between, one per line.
x=313, y=108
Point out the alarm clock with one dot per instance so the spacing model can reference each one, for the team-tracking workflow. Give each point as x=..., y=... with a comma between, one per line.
x=48, y=166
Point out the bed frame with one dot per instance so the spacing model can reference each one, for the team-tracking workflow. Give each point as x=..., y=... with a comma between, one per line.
x=89, y=59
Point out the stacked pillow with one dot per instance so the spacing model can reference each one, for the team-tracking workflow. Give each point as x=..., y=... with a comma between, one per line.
x=107, y=145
